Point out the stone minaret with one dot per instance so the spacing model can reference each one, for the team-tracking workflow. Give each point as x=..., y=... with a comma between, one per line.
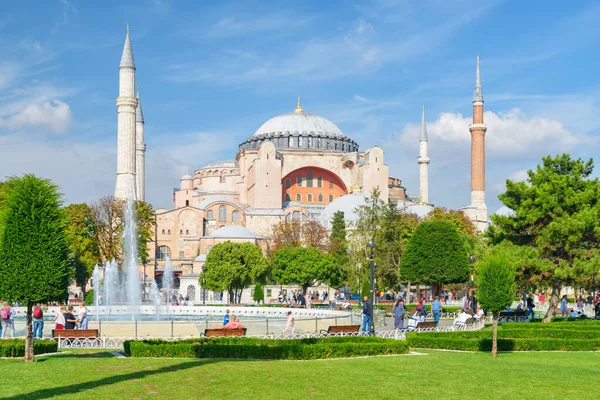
x=423, y=161
x=140, y=149
x=126, y=106
x=478, y=128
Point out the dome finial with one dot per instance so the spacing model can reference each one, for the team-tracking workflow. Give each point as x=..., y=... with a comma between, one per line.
x=298, y=108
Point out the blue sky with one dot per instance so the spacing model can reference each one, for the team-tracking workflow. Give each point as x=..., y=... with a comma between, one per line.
x=210, y=73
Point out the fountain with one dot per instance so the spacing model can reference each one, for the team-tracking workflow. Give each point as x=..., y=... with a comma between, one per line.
x=133, y=288
x=155, y=296
x=111, y=284
x=167, y=282
x=96, y=281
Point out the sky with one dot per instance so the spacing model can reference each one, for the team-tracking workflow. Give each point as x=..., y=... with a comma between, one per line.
x=211, y=73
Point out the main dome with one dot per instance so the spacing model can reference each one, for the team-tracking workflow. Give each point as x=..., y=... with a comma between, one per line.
x=299, y=122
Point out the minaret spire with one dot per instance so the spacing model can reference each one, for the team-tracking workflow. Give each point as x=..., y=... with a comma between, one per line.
x=298, y=108
x=478, y=95
x=127, y=56
x=423, y=161
x=140, y=151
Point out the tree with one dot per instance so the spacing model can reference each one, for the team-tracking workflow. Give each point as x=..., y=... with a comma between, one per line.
x=84, y=250
x=337, y=239
x=259, y=293
x=145, y=221
x=305, y=266
x=33, y=248
x=435, y=254
x=286, y=234
x=556, y=216
x=315, y=235
x=232, y=267
x=461, y=222
x=495, y=290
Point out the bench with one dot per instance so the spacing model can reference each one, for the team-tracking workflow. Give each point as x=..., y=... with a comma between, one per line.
x=426, y=325
x=74, y=333
x=386, y=301
x=469, y=321
x=511, y=315
x=237, y=305
x=220, y=332
x=341, y=329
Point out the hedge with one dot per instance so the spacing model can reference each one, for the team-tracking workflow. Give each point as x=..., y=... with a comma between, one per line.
x=267, y=349
x=16, y=347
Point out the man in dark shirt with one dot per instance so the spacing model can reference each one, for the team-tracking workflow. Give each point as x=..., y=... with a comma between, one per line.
x=367, y=311
x=70, y=318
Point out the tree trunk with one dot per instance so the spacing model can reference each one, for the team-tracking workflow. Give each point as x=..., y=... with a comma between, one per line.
x=495, y=334
x=304, y=289
x=29, y=357
x=231, y=295
x=436, y=289
x=554, y=300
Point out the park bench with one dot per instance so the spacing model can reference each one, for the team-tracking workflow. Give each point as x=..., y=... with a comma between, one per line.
x=469, y=321
x=386, y=301
x=341, y=329
x=426, y=325
x=74, y=333
x=220, y=332
x=511, y=316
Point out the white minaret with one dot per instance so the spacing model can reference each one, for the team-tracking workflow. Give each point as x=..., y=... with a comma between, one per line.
x=423, y=161
x=126, y=106
x=140, y=150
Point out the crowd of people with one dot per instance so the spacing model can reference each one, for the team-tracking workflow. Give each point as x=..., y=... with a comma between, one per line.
x=64, y=319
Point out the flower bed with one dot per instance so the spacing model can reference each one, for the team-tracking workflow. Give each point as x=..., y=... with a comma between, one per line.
x=16, y=347
x=250, y=348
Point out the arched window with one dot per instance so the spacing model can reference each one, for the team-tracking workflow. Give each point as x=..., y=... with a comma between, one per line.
x=309, y=198
x=210, y=215
x=187, y=203
x=191, y=293
x=299, y=141
x=310, y=141
x=298, y=197
x=309, y=179
x=296, y=216
x=319, y=143
x=330, y=198
x=235, y=216
x=222, y=214
x=320, y=181
x=299, y=181
x=331, y=184
x=320, y=198
x=290, y=141
x=222, y=178
x=288, y=197
x=288, y=183
x=163, y=252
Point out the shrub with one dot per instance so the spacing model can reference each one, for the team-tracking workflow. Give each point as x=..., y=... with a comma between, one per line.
x=251, y=348
x=16, y=347
x=89, y=297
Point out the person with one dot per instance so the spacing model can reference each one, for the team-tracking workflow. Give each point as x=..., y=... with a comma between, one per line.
x=301, y=299
x=563, y=306
x=234, y=324
x=226, y=317
x=436, y=309
x=530, y=307
x=70, y=321
x=480, y=313
x=462, y=318
x=38, y=321
x=542, y=297
x=8, y=320
x=59, y=319
x=308, y=300
x=83, y=316
x=597, y=310
x=366, y=314
x=290, y=323
x=573, y=313
x=421, y=310
x=398, y=311
x=580, y=304
x=465, y=303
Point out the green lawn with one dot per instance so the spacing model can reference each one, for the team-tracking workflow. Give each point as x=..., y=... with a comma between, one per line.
x=448, y=375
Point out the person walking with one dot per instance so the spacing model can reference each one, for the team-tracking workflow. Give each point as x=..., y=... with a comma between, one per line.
x=8, y=320
x=83, y=316
x=530, y=307
x=367, y=312
x=398, y=312
x=70, y=321
x=290, y=323
x=436, y=309
x=59, y=319
x=564, y=309
x=38, y=321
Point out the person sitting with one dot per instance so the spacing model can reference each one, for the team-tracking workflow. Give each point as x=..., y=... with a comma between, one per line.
x=519, y=308
x=462, y=318
x=597, y=310
x=479, y=314
x=573, y=313
x=233, y=323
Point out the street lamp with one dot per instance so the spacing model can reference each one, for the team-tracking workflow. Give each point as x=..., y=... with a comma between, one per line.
x=470, y=295
x=371, y=246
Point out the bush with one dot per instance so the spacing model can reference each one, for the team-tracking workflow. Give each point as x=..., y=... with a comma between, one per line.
x=89, y=297
x=267, y=349
x=16, y=347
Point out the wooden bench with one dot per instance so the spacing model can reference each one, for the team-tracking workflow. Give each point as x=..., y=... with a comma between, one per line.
x=341, y=329
x=220, y=332
x=386, y=301
x=426, y=325
x=74, y=333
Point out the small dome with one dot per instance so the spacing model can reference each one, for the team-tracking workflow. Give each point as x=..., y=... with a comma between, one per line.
x=233, y=231
x=201, y=258
x=300, y=122
x=347, y=204
x=505, y=212
x=186, y=177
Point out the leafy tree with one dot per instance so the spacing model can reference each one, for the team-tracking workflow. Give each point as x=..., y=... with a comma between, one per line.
x=83, y=244
x=435, y=254
x=305, y=266
x=315, y=235
x=33, y=248
x=556, y=217
x=259, y=293
x=495, y=289
x=232, y=267
x=145, y=221
x=338, y=241
x=461, y=222
x=365, y=289
x=286, y=234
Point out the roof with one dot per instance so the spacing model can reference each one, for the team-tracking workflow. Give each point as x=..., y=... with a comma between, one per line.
x=347, y=204
x=233, y=231
x=223, y=164
x=299, y=122
x=127, y=56
x=201, y=258
x=218, y=199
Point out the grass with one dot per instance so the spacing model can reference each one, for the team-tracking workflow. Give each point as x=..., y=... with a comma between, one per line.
x=438, y=374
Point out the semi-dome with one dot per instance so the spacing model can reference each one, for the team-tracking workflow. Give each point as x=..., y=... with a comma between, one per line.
x=233, y=231
x=299, y=122
x=347, y=204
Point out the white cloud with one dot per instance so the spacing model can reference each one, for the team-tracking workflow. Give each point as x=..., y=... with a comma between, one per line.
x=54, y=116
x=519, y=176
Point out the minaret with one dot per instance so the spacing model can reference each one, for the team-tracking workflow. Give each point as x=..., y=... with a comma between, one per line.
x=423, y=161
x=478, y=129
x=140, y=150
x=126, y=106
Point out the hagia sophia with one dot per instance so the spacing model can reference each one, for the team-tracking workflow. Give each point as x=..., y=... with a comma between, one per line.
x=296, y=166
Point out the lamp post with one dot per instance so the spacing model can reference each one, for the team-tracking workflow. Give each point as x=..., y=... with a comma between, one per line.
x=470, y=286
x=371, y=246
